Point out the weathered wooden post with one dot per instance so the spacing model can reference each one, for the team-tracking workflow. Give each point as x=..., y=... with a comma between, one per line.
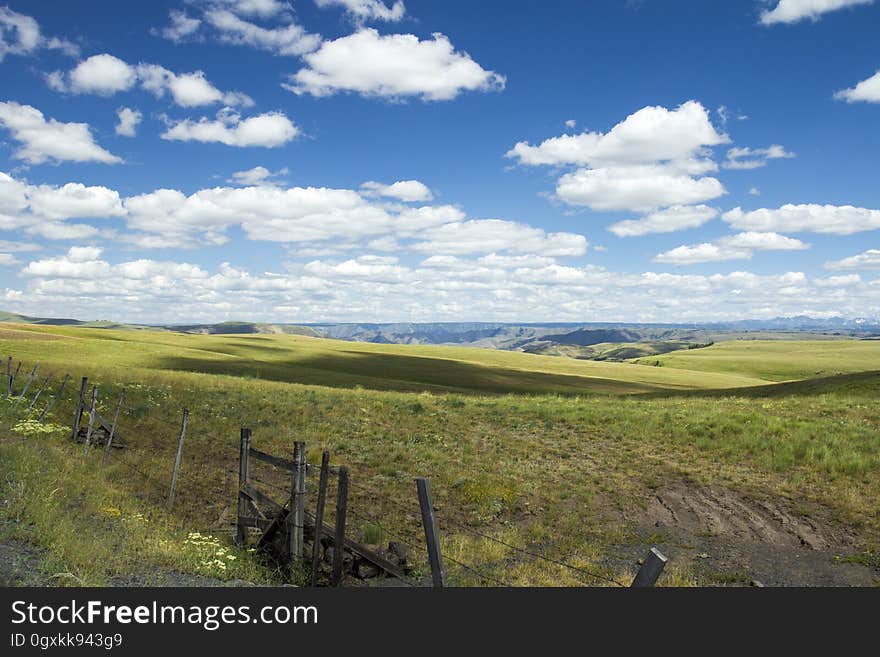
x=77, y=416
x=651, y=569
x=39, y=392
x=243, y=462
x=296, y=517
x=319, y=514
x=339, y=534
x=9, y=377
x=93, y=411
x=13, y=377
x=177, y=458
x=54, y=399
x=432, y=536
x=28, y=384
x=109, y=442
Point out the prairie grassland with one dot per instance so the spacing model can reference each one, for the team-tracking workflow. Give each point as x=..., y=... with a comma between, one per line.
x=777, y=360
x=567, y=471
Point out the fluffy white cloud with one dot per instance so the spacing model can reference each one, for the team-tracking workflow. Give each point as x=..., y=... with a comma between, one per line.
x=106, y=75
x=867, y=91
x=807, y=218
x=635, y=188
x=392, y=66
x=181, y=27
x=403, y=190
x=128, y=120
x=733, y=247
x=74, y=200
x=442, y=288
x=677, y=217
x=870, y=259
x=792, y=11
x=650, y=135
x=257, y=176
x=102, y=74
x=493, y=235
x=754, y=158
x=652, y=159
x=290, y=39
x=20, y=35
x=364, y=10
x=43, y=141
x=262, y=8
x=268, y=130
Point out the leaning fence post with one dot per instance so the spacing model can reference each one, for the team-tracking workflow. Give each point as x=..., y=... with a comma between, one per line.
x=339, y=536
x=77, y=417
x=28, y=384
x=432, y=537
x=39, y=392
x=651, y=569
x=177, y=458
x=243, y=462
x=13, y=377
x=93, y=411
x=319, y=514
x=109, y=442
x=296, y=517
x=54, y=398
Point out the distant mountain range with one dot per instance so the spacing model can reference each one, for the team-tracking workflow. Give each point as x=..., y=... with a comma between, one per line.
x=572, y=339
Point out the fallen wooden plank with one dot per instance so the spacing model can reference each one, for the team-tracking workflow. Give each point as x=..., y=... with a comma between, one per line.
x=259, y=498
x=358, y=549
x=277, y=461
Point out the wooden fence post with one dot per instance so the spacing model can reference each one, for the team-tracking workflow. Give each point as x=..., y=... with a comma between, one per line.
x=243, y=462
x=319, y=514
x=296, y=517
x=109, y=442
x=13, y=377
x=77, y=417
x=432, y=538
x=28, y=384
x=339, y=535
x=93, y=411
x=9, y=377
x=177, y=458
x=54, y=399
x=654, y=564
x=39, y=392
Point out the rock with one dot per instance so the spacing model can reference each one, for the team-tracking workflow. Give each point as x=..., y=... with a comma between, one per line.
x=400, y=551
x=757, y=583
x=366, y=570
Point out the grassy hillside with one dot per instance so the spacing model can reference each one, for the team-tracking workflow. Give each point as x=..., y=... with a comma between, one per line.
x=778, y=361
x=316, y=361
x=573, y=476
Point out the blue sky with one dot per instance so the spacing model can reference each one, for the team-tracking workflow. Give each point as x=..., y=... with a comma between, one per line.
x=354, y=160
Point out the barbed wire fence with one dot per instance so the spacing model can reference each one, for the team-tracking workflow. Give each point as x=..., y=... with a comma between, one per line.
x=422, y=543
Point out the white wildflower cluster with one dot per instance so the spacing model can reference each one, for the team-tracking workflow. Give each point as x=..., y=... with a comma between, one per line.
x=210, y=554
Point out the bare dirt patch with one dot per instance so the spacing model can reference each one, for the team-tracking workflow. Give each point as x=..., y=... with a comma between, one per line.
x=727, y=537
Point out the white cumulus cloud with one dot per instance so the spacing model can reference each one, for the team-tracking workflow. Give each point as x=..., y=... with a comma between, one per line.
x=792, y=11
x=50, y=140
x=365, y=10
x=867, y=91
x=654, y=158
x=403, y=190
x=268, y=130
x=869, y=259
x=807, y=218
x=127, y=121
x=677, y=217
x=392, y=66
x=754, y=158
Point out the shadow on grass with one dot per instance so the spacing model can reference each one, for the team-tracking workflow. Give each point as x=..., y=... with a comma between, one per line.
x=347, y=369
